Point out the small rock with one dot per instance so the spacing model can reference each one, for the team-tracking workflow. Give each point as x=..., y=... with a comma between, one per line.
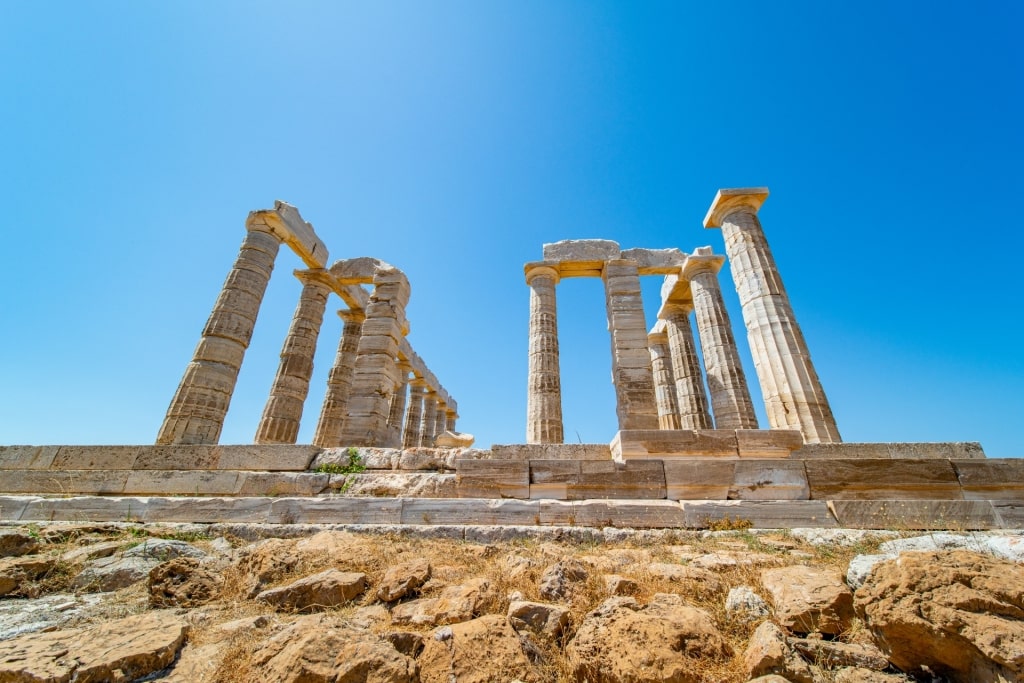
x=409, y=643
x=183, y=582
x=678, y=572
x=744, y=604
x=833, y=654
x=615, y=584
x=17, y=542
x=91, y=552
x=403, y=579
x=370, y=616
x=557, y=581
x=858, y=675
x=325, y=589
x=809, y=599
x=539, y=617
x=263, y=563
x=478, y=651
x=769, y=653
x=454, y=604
x=16, y=571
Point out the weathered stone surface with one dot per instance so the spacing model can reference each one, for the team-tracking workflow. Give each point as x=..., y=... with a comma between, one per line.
x=768, y=654
x=959, y=613
x=493, y=478
x=262, y=563
x=470, y=511
x=552, y=451
x=558, y=580
x=403, y=579
x=877, y=479
x=809, y=599
x=640, y=444
x=122, y=650
x=478, y=651
x=450, y=439
x=769, y=480
x=606, y=644
x=409, y=643
x=834, y=653
x=744, y=604
x=281, y=484
x=616, y=584
x=1001, y=479
x=698, y=479
x=623, y=514
x=17, y=542
x=44, y=613
x=16, y=571
x=336, y=510
x=328, y=588
x=543, y=382
x=587, y=479
x=539, y=617
x=915, y=514
x=170, y=482
x=452, y=605
x=655, y=261
x=396, y=484
x=582, y=251
x=768, y=443
x=766, y=514
x=95, y=458
x=27, y=457
x=64, y=483
x=917, y=451
x=704, y=579
x=134, y=564
x=850, y=674
x=183, y=582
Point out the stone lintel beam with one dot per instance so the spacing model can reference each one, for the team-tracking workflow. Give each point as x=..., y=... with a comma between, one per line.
x=728, y=201
x=675, y=292
x=656, y=261
x=580, y=258
x=284, y=222
x=354, y=296
x=359, y=271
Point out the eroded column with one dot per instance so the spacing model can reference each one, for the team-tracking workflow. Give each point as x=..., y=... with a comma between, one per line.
x=451, y=416
x=691, y=397
x=631, y=361
x=664, y=381
x=544, y=383
x=441, y=421
x=339, y=382
x=730, y=396
x=283, y=411
x=414, y=415
x=793, y=395
x=397, y=413
x=376, y=372
x=196, y=414
x=427, y=431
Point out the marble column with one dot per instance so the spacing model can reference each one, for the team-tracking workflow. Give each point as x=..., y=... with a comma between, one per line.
x=397, y=413
x=283, y=411
x=691, y=397
x=427, y=431
x=376, y=372
x=730, y=397
x=197, y=411
x=451, y=416
x=441, y=420
x=544, y=384
x=414, y=415
x=339, y=382
x=793, y=395
x=631, y=361
x=664, y=381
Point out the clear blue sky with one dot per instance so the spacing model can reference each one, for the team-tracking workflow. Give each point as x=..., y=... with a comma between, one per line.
x=453, y=139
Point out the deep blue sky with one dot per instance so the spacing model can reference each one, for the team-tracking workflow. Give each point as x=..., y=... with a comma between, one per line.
x=453, y=139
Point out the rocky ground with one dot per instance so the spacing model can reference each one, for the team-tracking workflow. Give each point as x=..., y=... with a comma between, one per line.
x=123, y=602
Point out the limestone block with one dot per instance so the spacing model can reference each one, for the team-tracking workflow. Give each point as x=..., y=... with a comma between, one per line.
x=766, y=514
x=270, y=458
x=578, y=256
x=206, y=510
x=552, y=451
x=178, y=457
x=85, y=508
x=493, y=478
x=335, y=511
x=63, y=483
x=27, y=457
x=627, y=514
x=1011, y=515
x=396, y=484
x=656, y=261
x=584, y=479
x=450, y=439
x=638, y=444
x=942, y=450
x=915, y=514
x=469, y=511
x=12, y=507
x=281, y=484
x=173, y=482
x=991, y=479
x=698, y=479
x=423, y=459
x=768, y=443
x=95, y=458
x=370, y=458
x=769, y=480
x=882, y=479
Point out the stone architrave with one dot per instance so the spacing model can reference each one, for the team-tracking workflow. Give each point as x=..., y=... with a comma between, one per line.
x=730, y=397
x=664, y=380
x=397, y=414
x=339, y=382
x=793, y=395
x=283, y=412
x=429, y=425
x=376, y=372
x=691, y=397
x=631, y=361
x=414, y=415
x=544, y=384
x=197, y=411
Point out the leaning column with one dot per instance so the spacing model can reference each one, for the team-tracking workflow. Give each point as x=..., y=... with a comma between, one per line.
x=730, y=397
x=414, y=415
x=793, y=395
x=339, y=382
x=631, y=361
x=690, y=394
x=197, y=411
x=544, y=384
x=283, y=412
x=664, y=381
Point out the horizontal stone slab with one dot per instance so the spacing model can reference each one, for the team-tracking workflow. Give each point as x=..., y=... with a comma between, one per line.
x=625, y=514
x=335, y=510
x=759, y=514
x=942, y=450
x=882, y=479
x=27, y=457
x=282, y=483
x=13, y=507
x=991, y=479
x=493, y=478
x=1010, y=514
x=769, y=480
x=275, y=458
x=915, y=514
x=95, y=457
x=270, y=458
x=186, y=482
x=699, y=479
x=640, y=444
x=767, y=443
x=583, y=479
x=552, y=451
x=469, y=511
x=396, y=484
x=64, y=483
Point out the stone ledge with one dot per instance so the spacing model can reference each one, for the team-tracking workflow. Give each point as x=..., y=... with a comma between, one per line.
x=915, y=514
x=882, y=479
x=275, y=458
x=552, y=451
x=767, y=514
x=942, y=450
x=991, y=479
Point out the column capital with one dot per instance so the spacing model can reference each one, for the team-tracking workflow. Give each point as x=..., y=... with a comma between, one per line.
x=352, y=316
x=418, y=383
x=729, y=201
x=658, y=333
x=285, y=223
x=700, y=261
x=541, y=269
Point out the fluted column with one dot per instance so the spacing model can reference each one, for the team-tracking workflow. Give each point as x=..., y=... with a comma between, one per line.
x=397, y=413
x=196, y=414
x=376, y=372
x=793, y=395
x=283, y=411
x=544, y=383
x=730, y=397
x=631, y=361
x=690, y=394
x=451, y=416
x=339, y=382
x=664, y=381
x=414, y=415
x=427, y=431
x=441, y=421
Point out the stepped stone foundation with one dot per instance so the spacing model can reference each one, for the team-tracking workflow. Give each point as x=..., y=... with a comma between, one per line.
x=689, y=452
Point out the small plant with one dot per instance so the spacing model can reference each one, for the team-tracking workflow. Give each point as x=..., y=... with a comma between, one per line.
x=353, y=466
x=728, y=524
